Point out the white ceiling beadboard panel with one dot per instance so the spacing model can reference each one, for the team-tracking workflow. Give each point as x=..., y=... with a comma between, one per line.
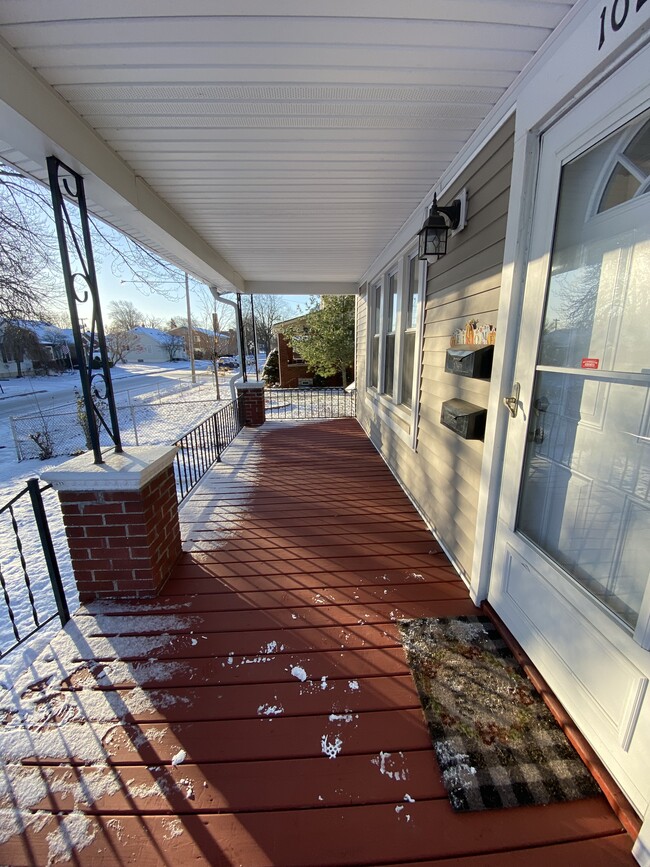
x=295, y=137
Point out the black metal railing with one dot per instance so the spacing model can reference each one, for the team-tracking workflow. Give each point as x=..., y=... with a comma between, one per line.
x=22, y=582
x=309, y=403
x=202, y=446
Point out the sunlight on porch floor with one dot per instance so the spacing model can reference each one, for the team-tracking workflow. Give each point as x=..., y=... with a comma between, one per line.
x=260, y=711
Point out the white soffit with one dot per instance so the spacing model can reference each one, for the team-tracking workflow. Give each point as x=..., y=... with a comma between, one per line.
x=294, y=137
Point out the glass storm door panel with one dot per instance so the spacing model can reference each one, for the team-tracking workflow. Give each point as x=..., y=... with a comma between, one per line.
x=585, y=491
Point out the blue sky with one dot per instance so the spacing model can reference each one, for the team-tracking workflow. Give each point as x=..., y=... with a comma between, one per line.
x=112, y=289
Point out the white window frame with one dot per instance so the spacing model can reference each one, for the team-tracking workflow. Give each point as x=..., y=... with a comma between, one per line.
x=392, y=405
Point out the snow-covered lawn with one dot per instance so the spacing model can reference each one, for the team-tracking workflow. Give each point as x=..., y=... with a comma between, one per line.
x=160, y=420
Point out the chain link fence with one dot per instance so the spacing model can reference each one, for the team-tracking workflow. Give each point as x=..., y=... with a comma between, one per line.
x=144, y=420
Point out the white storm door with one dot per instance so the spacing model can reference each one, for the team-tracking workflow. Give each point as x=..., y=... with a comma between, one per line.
x=572, y=554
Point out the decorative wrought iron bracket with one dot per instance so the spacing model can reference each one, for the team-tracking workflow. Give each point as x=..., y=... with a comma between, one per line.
x=78, y=264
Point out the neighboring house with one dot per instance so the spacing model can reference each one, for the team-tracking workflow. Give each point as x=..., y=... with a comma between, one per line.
x=152, y=344
x=204, y=341
x=545, y=508
x=56, y=344
x=294, y=372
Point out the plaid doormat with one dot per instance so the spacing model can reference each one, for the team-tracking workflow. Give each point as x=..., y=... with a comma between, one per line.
x=496, y=742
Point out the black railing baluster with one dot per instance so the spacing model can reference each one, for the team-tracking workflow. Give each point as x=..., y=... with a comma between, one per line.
x=309, y=403
x=28, y=584
x=45, y=536
x=10, y=611
x=202, y=446
x=7, y=582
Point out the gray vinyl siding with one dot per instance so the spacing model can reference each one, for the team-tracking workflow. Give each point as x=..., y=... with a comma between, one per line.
x=442, y=475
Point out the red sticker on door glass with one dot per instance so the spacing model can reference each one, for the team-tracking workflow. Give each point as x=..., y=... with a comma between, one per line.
x=591, y=363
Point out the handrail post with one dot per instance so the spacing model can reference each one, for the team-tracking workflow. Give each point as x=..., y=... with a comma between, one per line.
x=48, y=550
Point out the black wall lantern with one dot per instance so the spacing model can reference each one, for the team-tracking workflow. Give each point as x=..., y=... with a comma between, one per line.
x=433, y=234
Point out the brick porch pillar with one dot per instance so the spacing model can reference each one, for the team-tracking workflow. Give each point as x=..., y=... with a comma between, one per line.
x=251, y=401
x=121, y=521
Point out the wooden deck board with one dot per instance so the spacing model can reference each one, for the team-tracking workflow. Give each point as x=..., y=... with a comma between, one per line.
x=300, y=560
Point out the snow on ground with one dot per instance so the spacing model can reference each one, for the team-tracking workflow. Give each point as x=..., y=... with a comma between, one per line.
x=26, y=558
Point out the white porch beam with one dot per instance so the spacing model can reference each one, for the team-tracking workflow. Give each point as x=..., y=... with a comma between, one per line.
x=37, y=122
x=300, y=287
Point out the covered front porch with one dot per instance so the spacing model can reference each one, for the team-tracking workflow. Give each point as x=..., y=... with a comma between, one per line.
x=260, y=711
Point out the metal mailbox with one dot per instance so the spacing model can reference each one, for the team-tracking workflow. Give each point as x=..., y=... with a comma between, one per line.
x=468, y=360
x=464, y=418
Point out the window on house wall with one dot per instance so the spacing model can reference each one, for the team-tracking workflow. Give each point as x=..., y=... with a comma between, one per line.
x=389, y=337
x=375, y=319
x=392, y=333
x=411, y=294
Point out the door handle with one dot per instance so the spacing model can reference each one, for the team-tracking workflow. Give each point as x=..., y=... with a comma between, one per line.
x=512, y=401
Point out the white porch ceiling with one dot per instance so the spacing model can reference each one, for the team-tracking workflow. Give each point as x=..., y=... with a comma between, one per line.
x=293, y=137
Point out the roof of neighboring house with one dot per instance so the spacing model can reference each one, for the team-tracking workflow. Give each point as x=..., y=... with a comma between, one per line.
x=45, y=332
x=277, y=328
x=182, y=329
x=161, y=337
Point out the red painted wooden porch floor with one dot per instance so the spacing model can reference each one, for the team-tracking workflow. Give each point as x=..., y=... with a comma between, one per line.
x=271, y=668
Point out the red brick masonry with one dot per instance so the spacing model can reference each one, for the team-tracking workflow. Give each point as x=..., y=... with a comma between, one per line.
x=123, y=543
x=251, y=401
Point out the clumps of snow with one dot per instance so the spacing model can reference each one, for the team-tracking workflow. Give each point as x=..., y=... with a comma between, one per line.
x=391, y=767
x=189, y=788
x=74, y=831
x=353, y=685
x=134, y=737
x=271, y=647
x=323, y=682
x=162, y=786
x=299, y=672
x=416, y=576
x=117, y=827
x=457, y=773
x=342, y=717
x=24, y=786
x=14, y=822
x=194, y=642
x=399, y=808
x=270, y=710
x=73, y=740
x=179, y=758
x=172, y=828
x=331, y=748
x=466, y=632
x=409, y=799
x=255, y=660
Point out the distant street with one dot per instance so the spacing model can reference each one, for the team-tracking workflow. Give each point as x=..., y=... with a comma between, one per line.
x=34, y=397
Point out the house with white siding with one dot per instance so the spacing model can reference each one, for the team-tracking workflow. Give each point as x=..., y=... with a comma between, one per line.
x=151, y=344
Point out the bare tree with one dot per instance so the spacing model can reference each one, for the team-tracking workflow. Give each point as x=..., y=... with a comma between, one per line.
x=118, y=344
x=124, y=316
x=269, y=310
x=19, y=343
x=30, y=269
x=28, y=250
x=150, y=321
x=173, y=345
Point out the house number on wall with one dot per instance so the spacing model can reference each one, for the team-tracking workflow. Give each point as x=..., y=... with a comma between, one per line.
x=612, y=18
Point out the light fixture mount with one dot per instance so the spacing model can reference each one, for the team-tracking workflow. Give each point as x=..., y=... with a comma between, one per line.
x=432, y=237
